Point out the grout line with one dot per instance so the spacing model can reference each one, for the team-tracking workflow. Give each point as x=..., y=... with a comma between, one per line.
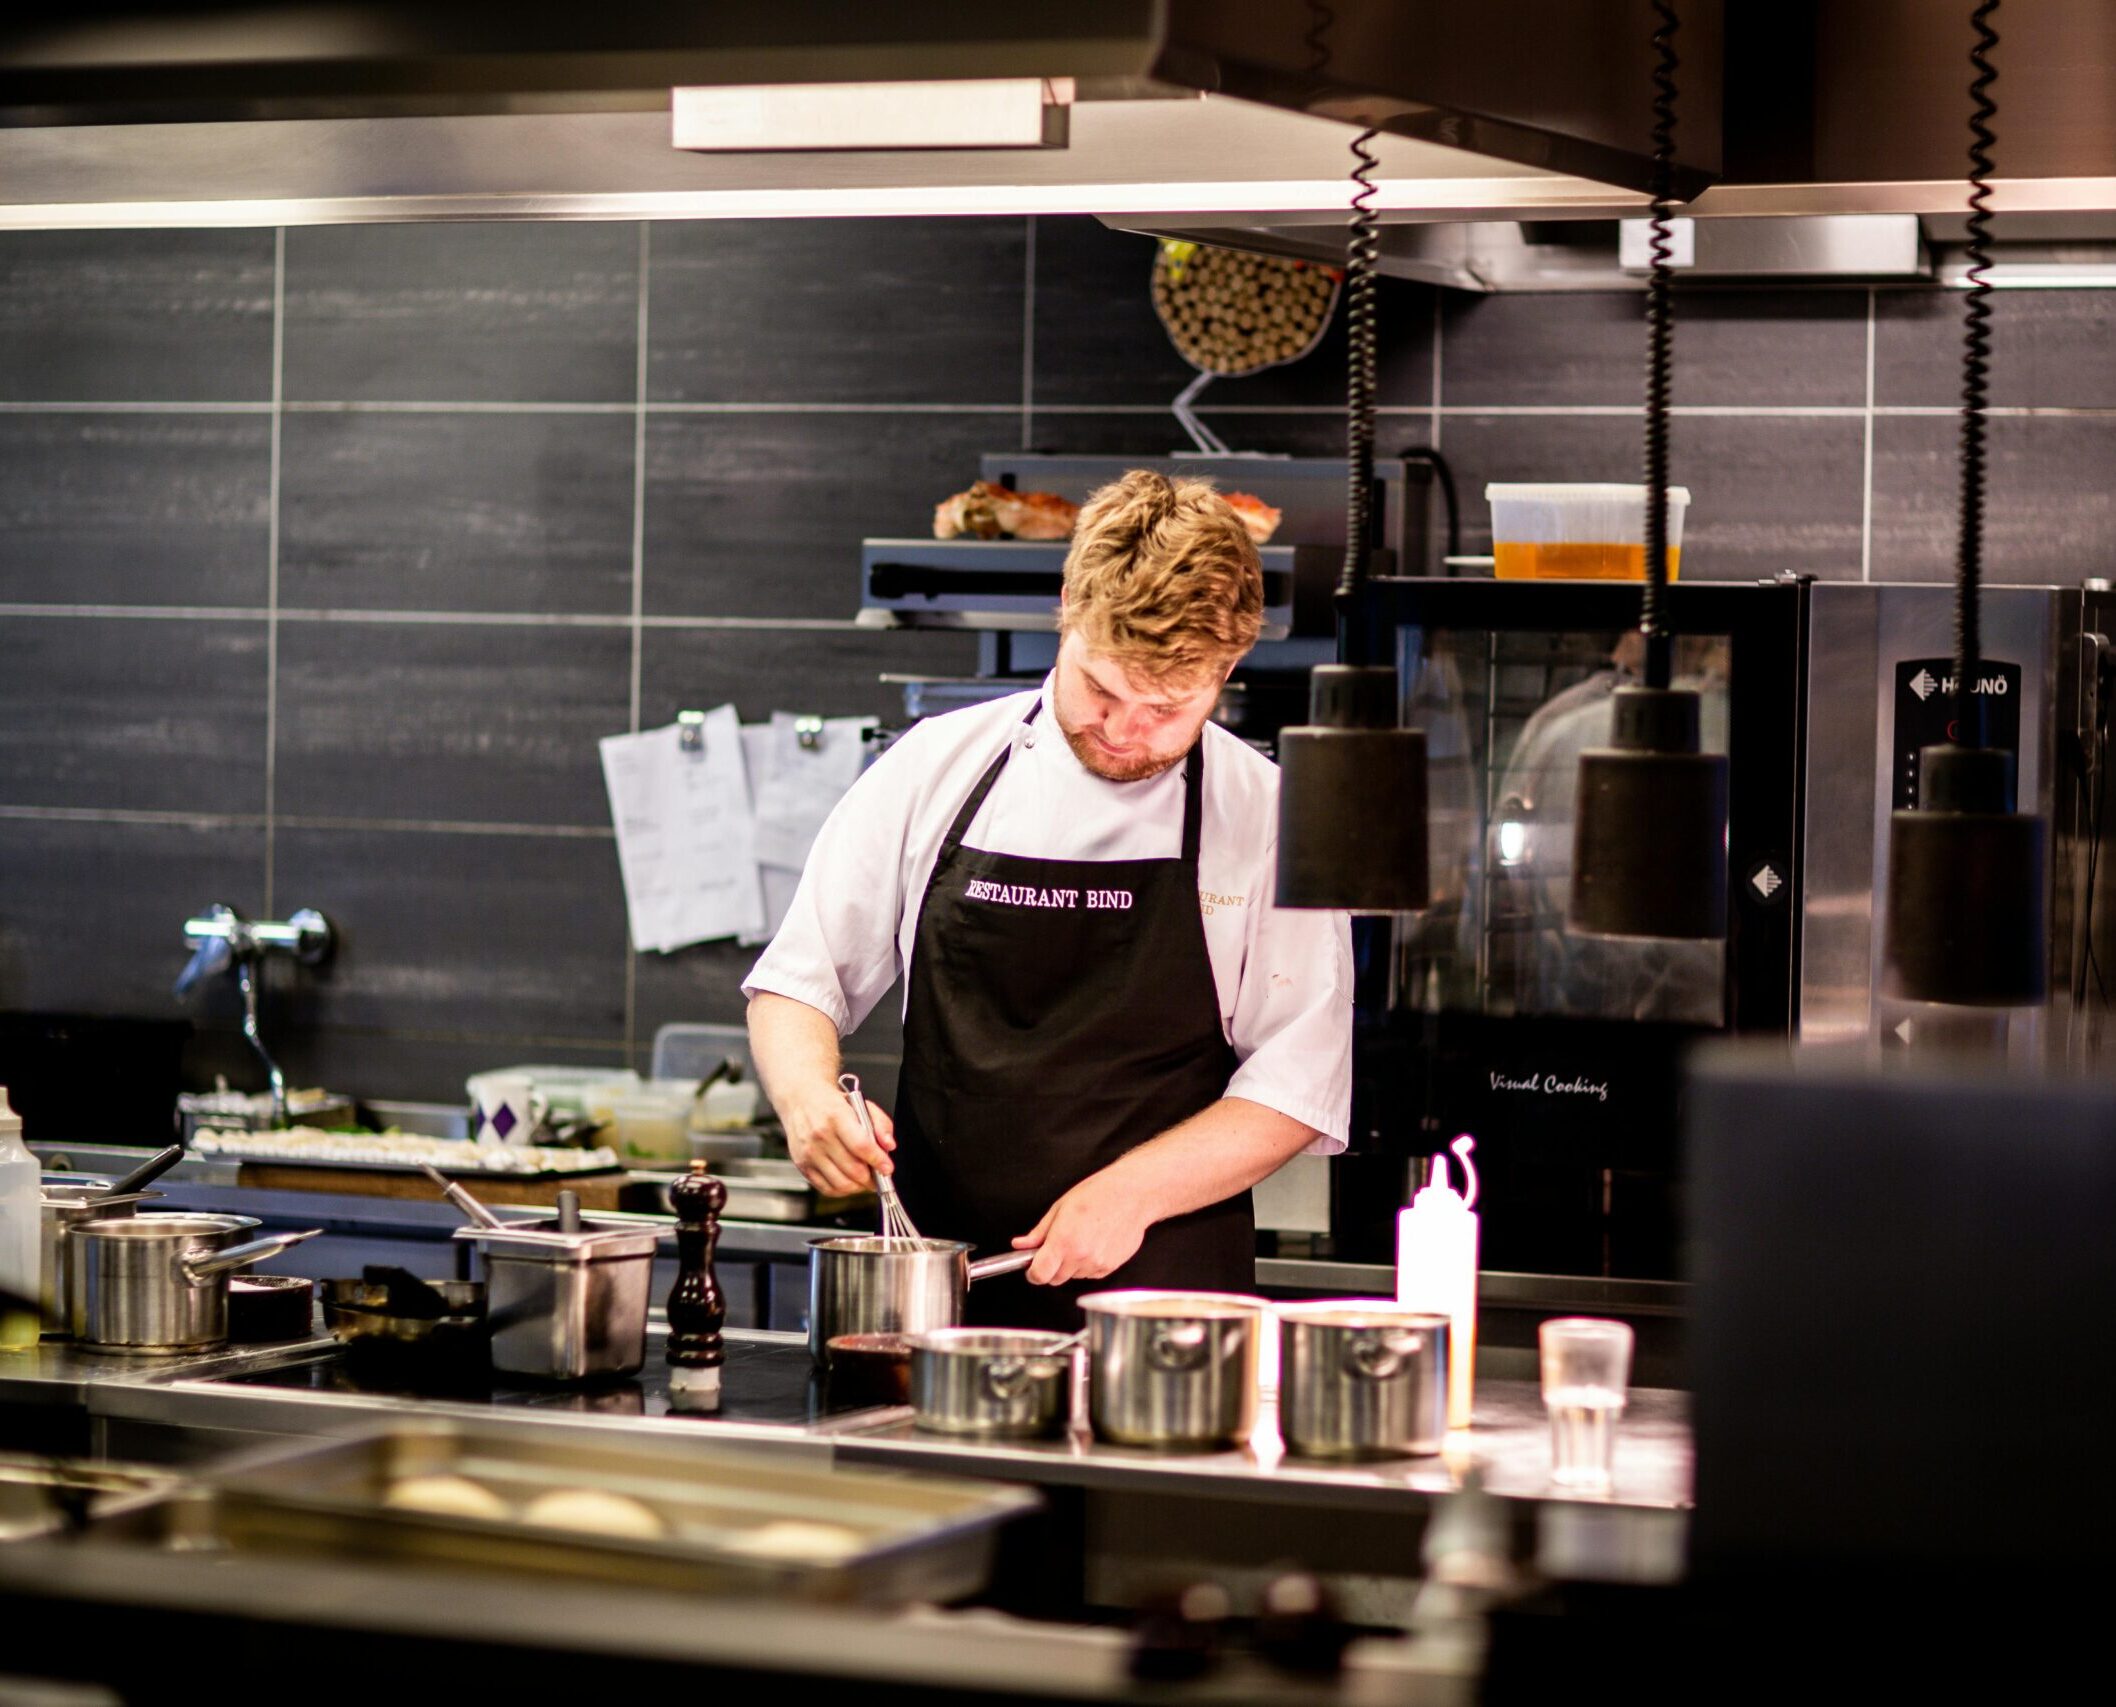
x=271, y=756
x=172, y=408
x=129, y=815
x=1435, y=412
x=298, y=821
x=416, y=406
x=433, y=618
x=159, y=613
x=639, y=567
x=1866, y=502
x=1028, y=337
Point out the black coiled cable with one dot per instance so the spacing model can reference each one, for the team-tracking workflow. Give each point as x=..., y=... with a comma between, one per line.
x=1976, y=383
x=1660, y=340
x=1362, y=251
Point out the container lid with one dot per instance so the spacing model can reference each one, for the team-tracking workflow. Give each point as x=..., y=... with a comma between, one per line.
x=1581, y=491
x=535, y=1242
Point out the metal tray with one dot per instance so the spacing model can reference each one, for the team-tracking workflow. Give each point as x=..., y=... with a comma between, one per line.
x=906, y=1538
x=334, y=1164
x=762, y=1188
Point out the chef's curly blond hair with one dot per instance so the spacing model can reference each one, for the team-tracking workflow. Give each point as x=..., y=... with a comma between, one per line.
x=1164, y=577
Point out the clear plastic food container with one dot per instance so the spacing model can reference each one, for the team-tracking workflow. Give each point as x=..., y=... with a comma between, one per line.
x=1578, y=532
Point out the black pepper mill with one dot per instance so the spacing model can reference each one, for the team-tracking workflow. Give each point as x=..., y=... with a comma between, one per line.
x=697, y=1307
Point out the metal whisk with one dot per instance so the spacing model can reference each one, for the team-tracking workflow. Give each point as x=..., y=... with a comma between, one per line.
x=896, y=1224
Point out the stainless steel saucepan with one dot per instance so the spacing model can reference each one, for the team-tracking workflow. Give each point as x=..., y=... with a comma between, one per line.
x=159, y=1283
x=867, y=1285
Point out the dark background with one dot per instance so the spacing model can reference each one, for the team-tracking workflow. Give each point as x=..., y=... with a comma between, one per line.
x=327, y=555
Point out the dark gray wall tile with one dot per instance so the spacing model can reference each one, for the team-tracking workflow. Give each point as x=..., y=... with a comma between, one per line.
x=2050, y=505
x=1783, y=349
x=456, y=722
x=135, y=714
x=92, y=914
x=135, y=509
x=476, y=511
x=1767, y=493
x=136, y=316
x=460, y=935
x=2050, y=349
x=702, y=985
x=763, y=514
x=832, y=672
x=411, y=1068
x=1098, y=339
x=463, y=313
x=837, y=311
x=1155, y=433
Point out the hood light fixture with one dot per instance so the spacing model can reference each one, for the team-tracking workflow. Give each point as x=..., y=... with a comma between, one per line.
x=1964, y=923
x=1649, y=851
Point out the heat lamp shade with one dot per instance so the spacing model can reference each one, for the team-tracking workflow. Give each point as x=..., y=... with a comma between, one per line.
x=1352, y=819
x=1965, y=922
x=1649, y=845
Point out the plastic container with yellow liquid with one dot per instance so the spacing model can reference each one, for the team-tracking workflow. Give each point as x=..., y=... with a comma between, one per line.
x=1578, y=533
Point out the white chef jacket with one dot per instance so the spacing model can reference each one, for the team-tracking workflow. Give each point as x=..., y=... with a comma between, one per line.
x=1284, y=977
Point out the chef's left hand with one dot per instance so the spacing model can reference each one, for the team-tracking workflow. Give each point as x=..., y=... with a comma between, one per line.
x=1092, y=1230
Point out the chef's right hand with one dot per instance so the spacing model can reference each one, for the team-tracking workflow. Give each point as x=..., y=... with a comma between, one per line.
x=828, y=1146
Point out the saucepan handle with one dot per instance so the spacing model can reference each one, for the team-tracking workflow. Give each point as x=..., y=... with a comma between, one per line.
x=205, y=1267
x=1012, y=1263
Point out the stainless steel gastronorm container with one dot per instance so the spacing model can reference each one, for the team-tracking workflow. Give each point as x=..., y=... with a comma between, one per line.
x=1360, y=1379
x=61, y=1209
x=1173, y=1369
x=995, y=1383
x=567, y=1306
x=159, y=1283
x=875, y=1285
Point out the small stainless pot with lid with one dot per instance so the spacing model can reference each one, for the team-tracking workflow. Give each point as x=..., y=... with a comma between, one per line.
x=567, y=1305
x=1361, y=1378
x=871, y=1284
x=158, y=1284
x=1173, y=1369
x=61, y=1208
x=994, y=1384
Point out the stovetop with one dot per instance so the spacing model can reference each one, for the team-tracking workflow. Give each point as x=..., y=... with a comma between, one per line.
x=763, y=1382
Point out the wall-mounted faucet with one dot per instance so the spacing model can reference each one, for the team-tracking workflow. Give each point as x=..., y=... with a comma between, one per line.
x=223, y=939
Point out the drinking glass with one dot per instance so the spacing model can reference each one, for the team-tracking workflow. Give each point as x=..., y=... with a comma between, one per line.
x=1586, y=1367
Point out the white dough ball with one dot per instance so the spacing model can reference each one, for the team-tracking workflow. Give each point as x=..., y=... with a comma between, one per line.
x=448, y=1496
x=595, y=1513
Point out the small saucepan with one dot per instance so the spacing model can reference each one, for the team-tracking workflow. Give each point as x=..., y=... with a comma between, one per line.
x=864, y=1284
x=159, y=1283
x=992, y=1384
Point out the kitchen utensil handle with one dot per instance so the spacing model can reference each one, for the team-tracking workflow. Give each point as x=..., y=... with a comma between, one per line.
x=1012, y=1263
x=462, y=1199
x=241, y=1256
x=148, y=1171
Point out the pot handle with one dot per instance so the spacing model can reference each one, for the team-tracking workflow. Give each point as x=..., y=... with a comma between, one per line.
x=1177, y=1346
x=1379, y=1357
x=1012, y=1263
x=200, y=1268
x=1006, y=1378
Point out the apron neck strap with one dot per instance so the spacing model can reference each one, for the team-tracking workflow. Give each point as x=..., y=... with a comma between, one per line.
x=1193, y=794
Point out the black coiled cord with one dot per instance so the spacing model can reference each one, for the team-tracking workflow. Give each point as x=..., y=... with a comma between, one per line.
x=1976, y=383
x=1362, y=251
x=1660, y=340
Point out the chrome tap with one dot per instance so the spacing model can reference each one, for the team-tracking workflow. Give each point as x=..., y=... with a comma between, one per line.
x=223, y=938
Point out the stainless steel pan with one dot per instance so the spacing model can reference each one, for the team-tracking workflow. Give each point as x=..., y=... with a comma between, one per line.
x=159, y=1283
x=867, y=1285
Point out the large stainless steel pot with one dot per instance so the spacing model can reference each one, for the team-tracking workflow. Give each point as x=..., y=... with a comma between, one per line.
x=61, y=1209
x=1173, y=1369
x=1361, y=1379
x=993, y=1383
x=159, y=1283
x=872, y=1285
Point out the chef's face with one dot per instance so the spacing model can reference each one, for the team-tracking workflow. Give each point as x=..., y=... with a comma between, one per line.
x=1122, y=726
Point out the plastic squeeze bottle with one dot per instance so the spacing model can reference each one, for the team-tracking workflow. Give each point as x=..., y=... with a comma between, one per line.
x=1436, y=1269
x=21, y=1209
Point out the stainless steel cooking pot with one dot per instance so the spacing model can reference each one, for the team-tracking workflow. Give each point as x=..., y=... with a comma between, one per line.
x=1173, y=1369
x=994, y=1383
x=567, y=1305
x=1361, y=1379
x=159, y=1283
x=865, y=1284
x=61, y=1208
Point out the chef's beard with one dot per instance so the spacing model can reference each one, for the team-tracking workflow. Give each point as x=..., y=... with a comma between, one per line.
x=1137, y=769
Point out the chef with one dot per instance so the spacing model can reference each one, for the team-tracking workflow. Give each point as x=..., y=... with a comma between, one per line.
x=1110, y=1032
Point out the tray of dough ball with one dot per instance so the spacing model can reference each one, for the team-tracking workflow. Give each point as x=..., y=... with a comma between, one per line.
x=683, y=1518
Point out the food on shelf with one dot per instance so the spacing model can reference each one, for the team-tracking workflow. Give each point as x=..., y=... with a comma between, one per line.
x=797, y=1542
x=594, y=1512
x=446, y=1496
x=317, y=1147
x=990, y=511
x=1257, y=516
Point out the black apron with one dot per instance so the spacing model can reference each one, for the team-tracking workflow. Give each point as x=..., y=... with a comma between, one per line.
x=1061, y=1013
